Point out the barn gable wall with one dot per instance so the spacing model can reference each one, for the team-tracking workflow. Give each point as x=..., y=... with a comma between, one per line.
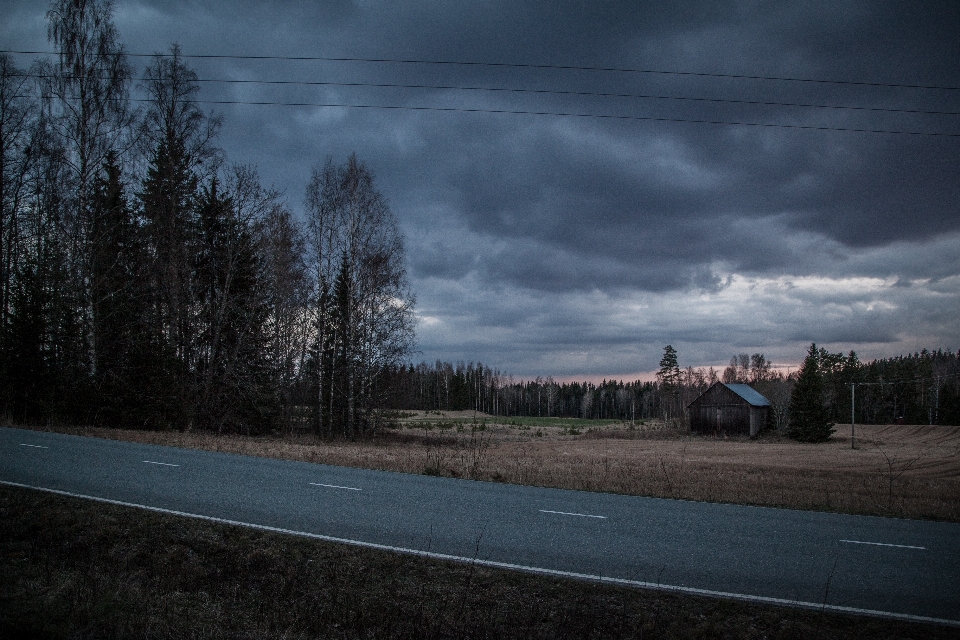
x=720, y=410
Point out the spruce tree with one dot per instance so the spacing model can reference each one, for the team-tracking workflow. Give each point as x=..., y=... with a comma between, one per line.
x=809, y=419
x=120, y=302
x=232, y=371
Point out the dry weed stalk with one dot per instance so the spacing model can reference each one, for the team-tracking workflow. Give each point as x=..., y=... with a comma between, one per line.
x=895, y=467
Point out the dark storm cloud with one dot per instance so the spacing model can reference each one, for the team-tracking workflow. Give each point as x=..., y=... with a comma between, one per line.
x=568, y=245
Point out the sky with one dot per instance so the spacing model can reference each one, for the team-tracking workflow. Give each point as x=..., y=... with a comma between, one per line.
x=578, y=246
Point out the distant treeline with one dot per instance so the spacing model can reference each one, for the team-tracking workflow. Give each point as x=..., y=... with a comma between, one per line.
x=476, y=387
x=919, y=388
x=922, y=388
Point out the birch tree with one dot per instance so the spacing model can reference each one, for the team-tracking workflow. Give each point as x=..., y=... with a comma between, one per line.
x=87, y=101
x=363, y=308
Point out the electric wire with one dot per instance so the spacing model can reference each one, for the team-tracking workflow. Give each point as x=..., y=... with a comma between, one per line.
x=560, y=114
x=560, y=92
x=555, y=92
x=572, y=115
x=517, y=65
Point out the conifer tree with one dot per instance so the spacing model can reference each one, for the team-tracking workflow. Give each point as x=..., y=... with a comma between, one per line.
x=669, y=374
x=809, y=419
x=669, y=378
x=168, y=205
x=178, y=140
x=120, y=300
x=231, y=369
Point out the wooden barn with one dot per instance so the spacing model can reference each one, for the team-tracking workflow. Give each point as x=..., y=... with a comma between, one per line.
x=730, y=409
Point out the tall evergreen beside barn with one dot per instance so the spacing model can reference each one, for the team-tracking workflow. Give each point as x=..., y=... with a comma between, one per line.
x=809, y=416
x=729, y=409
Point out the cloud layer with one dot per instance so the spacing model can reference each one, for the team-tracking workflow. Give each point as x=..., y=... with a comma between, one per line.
x=579, y=246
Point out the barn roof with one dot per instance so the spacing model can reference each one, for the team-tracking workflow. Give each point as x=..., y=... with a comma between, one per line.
x=749, y=394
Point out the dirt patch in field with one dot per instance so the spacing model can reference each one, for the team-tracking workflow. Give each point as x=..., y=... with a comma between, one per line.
x=895, y=470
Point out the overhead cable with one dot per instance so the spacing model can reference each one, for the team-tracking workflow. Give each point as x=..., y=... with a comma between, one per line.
x=516, y=65
x=561, y=92
x=568, y=114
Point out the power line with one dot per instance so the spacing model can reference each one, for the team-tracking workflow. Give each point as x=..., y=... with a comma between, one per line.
x=561, y=114
x=596, y=94
x=556, y=113
x=515, y=65
x=568, y=114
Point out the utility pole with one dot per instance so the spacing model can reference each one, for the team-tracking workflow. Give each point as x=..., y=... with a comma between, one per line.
x=853, y=396
x=936, y=401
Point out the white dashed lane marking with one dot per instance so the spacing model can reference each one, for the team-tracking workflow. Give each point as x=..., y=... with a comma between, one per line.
x=335, y=486
x=579, y=515
x=165, y=464
x=884, y=544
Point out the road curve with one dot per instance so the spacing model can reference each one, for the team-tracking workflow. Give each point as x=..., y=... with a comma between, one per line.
x=905, y=569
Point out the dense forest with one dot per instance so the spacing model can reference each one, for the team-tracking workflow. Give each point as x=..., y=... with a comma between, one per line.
x=146, y=282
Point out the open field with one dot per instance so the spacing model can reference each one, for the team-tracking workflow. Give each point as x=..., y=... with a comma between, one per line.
x=896, y=470
x=73, y=568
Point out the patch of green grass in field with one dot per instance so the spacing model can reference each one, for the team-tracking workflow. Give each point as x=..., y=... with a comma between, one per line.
x=72, y=568
x=432, y=419
x=563, y=423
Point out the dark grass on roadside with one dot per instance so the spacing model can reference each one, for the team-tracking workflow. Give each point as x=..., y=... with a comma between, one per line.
x=71, y=568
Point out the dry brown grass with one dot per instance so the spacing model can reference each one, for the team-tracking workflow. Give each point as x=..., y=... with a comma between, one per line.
x=896, y=470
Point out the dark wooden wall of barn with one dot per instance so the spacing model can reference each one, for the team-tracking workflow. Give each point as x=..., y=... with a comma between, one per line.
x=726, y=418
x=720, y=410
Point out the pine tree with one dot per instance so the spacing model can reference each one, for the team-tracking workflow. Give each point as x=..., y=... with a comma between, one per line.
x=669, y=374
x=669, y=378
x=809, y=419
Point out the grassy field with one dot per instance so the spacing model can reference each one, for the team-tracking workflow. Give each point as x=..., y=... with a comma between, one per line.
x=446, y=419
x=71, y=568
x=895, y=470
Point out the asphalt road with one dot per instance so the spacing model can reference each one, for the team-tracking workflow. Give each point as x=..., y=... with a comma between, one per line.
x=904, y=568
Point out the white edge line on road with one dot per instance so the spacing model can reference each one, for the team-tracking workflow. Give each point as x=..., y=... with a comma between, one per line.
x=35, y=446
x=564, y=513
x=884, y=544
x=334, y=486
x=515, y=567
x=166, y=464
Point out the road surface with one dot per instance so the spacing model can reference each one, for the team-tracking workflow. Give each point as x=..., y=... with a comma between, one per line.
x=906, y=569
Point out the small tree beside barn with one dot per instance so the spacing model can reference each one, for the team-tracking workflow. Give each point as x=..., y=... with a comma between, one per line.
x=729, y=409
